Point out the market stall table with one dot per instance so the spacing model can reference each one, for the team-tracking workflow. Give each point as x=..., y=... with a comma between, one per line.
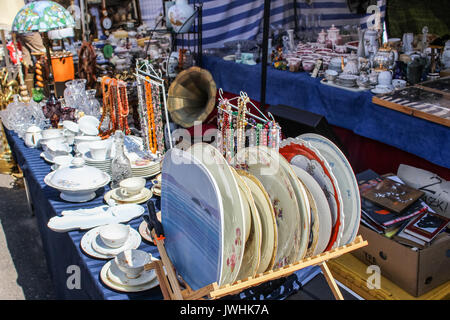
x=342, y=108
x=62, y=250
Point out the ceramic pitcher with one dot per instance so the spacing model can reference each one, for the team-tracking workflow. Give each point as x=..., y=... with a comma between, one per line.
x=33, y=136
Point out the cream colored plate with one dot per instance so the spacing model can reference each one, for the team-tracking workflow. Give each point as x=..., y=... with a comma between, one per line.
x=301, y=236
x=118, y=277
x=145, y=192
x=123, y=288
x=252, y=250
x=143, y=231
x=281, y=194
x=268, y=222
x=108, y=197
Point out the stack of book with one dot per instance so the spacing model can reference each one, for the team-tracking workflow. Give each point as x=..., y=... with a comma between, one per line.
x=393, y=209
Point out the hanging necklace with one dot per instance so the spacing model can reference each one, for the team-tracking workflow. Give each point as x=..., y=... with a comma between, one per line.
x=150, y=116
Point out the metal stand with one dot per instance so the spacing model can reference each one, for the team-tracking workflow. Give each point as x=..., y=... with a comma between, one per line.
x=146, y=73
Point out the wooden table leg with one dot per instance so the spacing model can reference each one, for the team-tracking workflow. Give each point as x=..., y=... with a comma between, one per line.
x=330, y=280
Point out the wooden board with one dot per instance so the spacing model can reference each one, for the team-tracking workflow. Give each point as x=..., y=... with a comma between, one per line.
x=171, y=289
x=417, y=102
x=352, y=273
x=441, y=86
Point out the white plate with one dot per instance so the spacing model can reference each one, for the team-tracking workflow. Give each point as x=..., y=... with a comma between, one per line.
x=91, y=236
x=233, y=205
x=323, y=209
x=46, y=157
x=347, y=183
x=281, y=193
x=252, y=250
x=301, y=236
x=268, y=221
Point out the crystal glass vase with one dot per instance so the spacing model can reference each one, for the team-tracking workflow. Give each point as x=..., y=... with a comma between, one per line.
x=75, y=94
x=121, y=165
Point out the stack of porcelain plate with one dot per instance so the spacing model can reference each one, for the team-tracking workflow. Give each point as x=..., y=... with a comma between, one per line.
x=103, y=165
x=267, y=209
x=145, y=168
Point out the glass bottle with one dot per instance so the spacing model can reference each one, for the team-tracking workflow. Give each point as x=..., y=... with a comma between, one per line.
x=121, y=165
x=238, y=54
x=92, y=105
x=52, y=109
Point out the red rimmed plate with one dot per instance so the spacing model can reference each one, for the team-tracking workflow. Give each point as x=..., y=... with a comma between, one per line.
x=299, y=153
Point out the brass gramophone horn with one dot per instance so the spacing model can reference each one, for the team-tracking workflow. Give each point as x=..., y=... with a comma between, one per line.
x=191, y=97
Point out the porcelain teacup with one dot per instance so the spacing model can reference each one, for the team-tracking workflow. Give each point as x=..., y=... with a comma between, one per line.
x=131, y=186
x=132, y=262
x=99, y=150
x=114, y=235
x=385, y=78
x=399, y=83
x=331, y=75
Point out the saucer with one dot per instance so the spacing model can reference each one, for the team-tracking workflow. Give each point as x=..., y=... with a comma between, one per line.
x=143, y=231
x=100, y=247
x=108, y=197
x=104, y=276
x=156, y=191
x=135, y=198
x=92, y=235
x=46, y=157
x=119, y=277
x=381, y=91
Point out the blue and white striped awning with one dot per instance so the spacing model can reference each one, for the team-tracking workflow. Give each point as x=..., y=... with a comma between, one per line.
x=242, y=19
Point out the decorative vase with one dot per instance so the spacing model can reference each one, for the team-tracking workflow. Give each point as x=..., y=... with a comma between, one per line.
x=120, y=166
x=361, y=50
x=181, y=16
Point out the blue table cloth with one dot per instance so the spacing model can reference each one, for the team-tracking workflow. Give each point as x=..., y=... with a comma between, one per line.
x=62, y=250
x=343, y=108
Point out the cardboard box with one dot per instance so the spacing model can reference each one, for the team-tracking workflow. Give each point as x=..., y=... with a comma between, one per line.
x=415, y=271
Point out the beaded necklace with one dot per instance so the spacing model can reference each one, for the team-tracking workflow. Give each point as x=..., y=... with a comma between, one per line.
x=150, y=116
x=124, y=109
x=108, y=107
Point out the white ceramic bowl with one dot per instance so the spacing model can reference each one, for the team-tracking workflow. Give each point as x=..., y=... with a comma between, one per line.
x=77, y=183
x=79, y=139
x=88, y=129
x=71, y=126
x=90, y=120
x=62, y=161
x=98, y=149
x=56, y=148
x=52, y=133
x=132, y=262
x=114, y=235
x=45, y=142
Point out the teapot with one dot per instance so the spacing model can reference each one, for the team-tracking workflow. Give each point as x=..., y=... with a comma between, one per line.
x=33, y=136
x=352, y=65
x=370, y=41
x=322, y=37
x=385, y=58
x=333, y=35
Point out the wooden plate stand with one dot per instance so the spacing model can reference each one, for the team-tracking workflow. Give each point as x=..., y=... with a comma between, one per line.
x=171, y=289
